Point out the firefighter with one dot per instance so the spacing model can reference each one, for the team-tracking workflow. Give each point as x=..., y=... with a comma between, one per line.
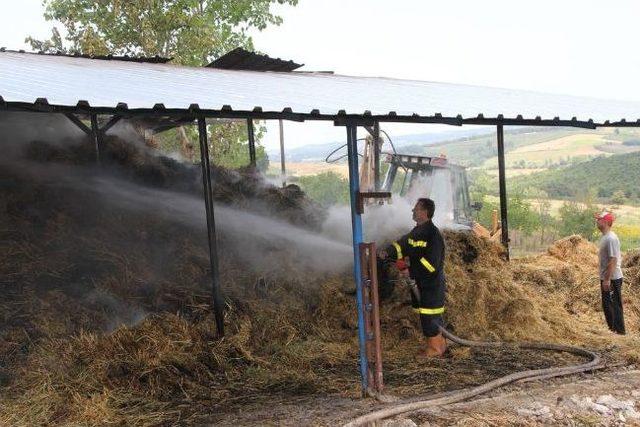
x=423, y=250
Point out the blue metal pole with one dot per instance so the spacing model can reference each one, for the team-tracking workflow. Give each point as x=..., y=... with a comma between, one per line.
x=356, y=227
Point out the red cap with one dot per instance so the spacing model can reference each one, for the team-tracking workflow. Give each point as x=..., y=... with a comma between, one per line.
x=606, y=216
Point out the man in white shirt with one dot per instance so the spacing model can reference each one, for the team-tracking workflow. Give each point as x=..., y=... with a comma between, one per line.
x=610, y=273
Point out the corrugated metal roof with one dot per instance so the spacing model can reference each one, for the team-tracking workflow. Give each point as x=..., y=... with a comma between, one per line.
x=241, y=59
x=64, y=81
x=151, y=59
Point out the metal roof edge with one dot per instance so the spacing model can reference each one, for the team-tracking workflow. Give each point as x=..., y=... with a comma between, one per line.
x=341, y=118
x=143, y=59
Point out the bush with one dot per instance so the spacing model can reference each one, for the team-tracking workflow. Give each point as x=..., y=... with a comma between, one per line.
x=327, y=188
x=521, y=215
x=576, y=218
x=619, y=197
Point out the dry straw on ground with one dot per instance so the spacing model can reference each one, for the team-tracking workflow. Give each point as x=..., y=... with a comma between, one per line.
x=106, y=317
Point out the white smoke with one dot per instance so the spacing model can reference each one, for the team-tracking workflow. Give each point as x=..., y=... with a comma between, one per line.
x=258, y=239
x=261, y=242
x=394, y=218
x=380, y=222
x=440, y=188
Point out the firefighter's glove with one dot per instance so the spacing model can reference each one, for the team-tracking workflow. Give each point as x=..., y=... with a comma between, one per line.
x=403, y=268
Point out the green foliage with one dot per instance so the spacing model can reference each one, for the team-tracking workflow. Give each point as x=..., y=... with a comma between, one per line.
x=327, y=188
x=228, y=145
x=619, y=197
x=576, y=218
x=521, y=214
x=192, y=32
x=604, y=175
x=629, y=235
x=485, y=214
x=481, y=184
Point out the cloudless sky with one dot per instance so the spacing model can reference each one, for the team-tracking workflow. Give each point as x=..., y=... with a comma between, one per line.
x=569, y=46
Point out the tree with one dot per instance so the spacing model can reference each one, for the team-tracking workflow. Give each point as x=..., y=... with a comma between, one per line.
x=228, y=145
x=327, y=188
x=191, y=32
x=481, y=184
x=576, y=218
x=521, y=215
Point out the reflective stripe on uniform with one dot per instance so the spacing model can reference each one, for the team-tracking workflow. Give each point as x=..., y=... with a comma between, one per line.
x=417, y=243
x=431, y=311
x=427, y=265
x=398, y=250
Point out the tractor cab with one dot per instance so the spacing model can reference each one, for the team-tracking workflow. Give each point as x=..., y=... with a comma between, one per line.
x=434, y=177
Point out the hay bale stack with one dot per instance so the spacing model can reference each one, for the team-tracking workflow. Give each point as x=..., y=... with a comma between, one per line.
x=106, y=315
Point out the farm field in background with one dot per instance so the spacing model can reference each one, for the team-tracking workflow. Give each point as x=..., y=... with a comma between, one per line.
x=625, y=214
x=552, y=152
x=309, y=168
x=514, y=172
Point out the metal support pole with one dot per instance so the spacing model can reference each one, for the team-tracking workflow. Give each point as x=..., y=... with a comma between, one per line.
x=111, y=123
x=97, y=137
x=252, y=143
x=356, y=228
x=282, y=161
x=376, y=156
x=503, y=190
x=371, y=307
x=79, y=123
x=218, y=303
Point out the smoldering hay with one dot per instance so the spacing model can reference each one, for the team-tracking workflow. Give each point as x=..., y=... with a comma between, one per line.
x=106, y=310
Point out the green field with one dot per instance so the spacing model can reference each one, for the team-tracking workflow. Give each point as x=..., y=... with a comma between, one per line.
x=475, y=151
x=551, y=152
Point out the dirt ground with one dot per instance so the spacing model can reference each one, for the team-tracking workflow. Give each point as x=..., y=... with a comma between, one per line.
x=605, y=398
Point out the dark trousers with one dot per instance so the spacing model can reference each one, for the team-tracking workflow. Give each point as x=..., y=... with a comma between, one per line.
x=612, y=306
x=430, y=324
x=431, y=298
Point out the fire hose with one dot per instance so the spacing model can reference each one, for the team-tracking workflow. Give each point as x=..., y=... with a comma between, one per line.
x=461, y=395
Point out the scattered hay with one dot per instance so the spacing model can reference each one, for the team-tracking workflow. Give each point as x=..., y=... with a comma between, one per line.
x=106, y=318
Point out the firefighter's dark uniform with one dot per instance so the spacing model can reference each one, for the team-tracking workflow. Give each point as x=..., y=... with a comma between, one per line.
x=424, y=246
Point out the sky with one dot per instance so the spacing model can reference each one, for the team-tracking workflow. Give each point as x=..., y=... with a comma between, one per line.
x=571, y=47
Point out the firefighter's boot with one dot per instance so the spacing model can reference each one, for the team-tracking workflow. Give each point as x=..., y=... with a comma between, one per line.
x=436, y=346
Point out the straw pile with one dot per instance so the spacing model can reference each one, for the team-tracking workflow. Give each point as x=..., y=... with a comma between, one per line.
x=106, y=317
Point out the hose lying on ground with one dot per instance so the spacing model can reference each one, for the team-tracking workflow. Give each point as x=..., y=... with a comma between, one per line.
x=465, y=394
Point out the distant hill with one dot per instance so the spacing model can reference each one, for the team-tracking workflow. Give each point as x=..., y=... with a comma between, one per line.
x=605, y=175
x=318, y=152
x=481, y=149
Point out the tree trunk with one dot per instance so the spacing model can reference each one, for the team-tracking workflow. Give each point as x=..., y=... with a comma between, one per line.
x=186, y=146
